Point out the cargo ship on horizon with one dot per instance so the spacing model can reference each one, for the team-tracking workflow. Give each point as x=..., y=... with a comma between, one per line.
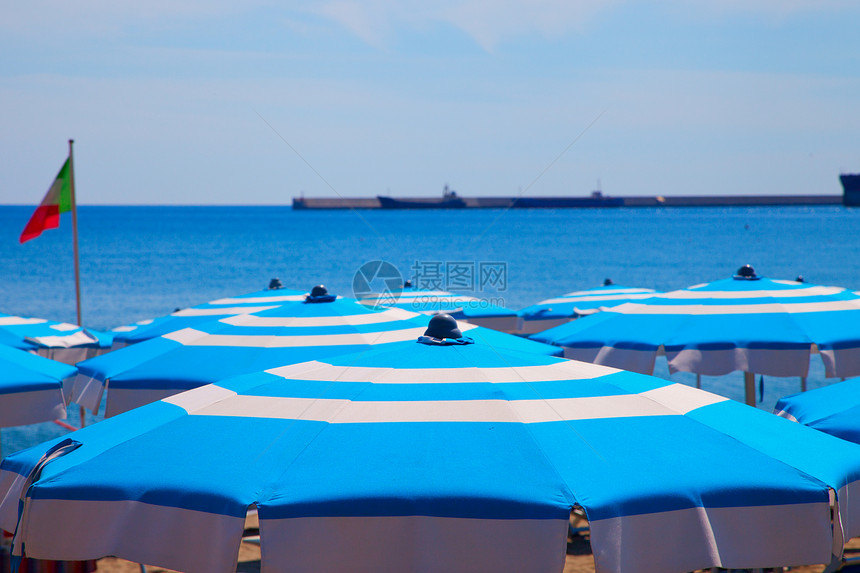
x=448, y=200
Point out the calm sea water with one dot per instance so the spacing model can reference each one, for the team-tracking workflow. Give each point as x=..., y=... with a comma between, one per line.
x=141, y=262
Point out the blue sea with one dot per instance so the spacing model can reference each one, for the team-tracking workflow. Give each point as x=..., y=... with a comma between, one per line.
x=141, y=262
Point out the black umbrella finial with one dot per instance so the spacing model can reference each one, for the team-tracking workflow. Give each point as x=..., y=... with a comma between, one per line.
x=320, y=294
x=443, y=326
x=275, y=284
x=319, y=290
x=746, y=272
x=607, y=282
x=799, y=279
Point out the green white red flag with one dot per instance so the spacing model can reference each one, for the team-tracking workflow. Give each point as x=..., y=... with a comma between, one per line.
x=57, y=200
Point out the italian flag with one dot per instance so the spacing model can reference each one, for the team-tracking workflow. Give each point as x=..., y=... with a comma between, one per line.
x=57, y=200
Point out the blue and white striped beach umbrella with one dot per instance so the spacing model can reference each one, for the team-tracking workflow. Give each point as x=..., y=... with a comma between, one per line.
x=31, y=388
x=749, y=324
x=289, y=333
x=834, y=409
x=483, y=312
x=560, y=310
x=61, y=341
x=443, y=456
x=219, y=308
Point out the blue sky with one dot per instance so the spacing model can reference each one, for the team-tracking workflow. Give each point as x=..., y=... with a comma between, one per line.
x=221, y=102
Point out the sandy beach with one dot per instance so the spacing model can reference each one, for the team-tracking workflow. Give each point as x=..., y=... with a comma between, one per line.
x=579, y=560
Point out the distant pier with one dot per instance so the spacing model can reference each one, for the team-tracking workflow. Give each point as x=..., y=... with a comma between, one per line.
x=592, y=201
x=732, y=200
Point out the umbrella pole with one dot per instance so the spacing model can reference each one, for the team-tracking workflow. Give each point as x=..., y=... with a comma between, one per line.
x=699, y=381
x=803, y=383
x=749, y=388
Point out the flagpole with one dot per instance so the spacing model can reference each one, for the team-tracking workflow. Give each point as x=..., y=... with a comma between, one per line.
x=75, y=233
x=75, y=249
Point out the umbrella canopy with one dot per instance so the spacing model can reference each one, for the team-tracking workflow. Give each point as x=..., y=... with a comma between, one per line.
x=483, y=312
x=290, y=333
x=745, y=323
x=438, y=455
x=833, y=409
x=258, y=301
x=61, y=341
x=556, y=311
x=31, y=388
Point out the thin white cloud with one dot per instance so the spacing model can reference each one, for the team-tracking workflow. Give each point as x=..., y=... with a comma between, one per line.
x=492, y=22
x=371, y=21
x=488, y=22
